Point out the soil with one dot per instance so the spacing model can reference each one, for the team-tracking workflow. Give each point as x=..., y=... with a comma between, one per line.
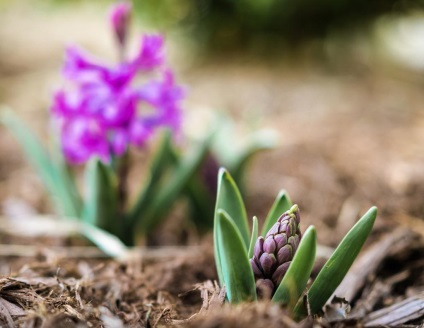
x=348, y=139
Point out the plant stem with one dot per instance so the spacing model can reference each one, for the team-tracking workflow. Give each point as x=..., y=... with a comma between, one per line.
x=123, y=169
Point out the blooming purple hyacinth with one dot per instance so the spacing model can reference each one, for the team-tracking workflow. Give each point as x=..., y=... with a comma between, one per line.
x=103, y=110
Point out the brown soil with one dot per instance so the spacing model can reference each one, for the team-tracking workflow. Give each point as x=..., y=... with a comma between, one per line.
x=348, y=140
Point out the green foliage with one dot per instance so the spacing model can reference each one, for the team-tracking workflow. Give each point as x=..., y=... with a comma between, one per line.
x=162, y=160
x=254, y=236
x=236, y=272
x=201, y=189
x=334, y=270
x=107, y=242
x=101, y=210
x=167, y=192
x=228, y=199
x=54, y=175
x=232, y=252
x=171, y=174
x=236, y=157
x=62, y=190
x=101, y=197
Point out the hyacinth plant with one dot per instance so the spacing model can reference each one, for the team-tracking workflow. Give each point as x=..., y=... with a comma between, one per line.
x=102, y=111
x=277, y=266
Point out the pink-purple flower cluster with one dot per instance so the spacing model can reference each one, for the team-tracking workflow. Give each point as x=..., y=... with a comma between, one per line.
x=104, y=109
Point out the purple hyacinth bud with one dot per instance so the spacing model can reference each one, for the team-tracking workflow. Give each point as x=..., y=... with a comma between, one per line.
x=258, y=249
x=290, y=230
x=119, y=18
x=280, y=272
x=280, y=239
x=283, y=227
x=284, y=254
x=274, y=253
x=297, y=214
x=256, y=271
x=294, y=242
x=274, y=230
x=264, y=288
x=269, y=245
x=267, y=262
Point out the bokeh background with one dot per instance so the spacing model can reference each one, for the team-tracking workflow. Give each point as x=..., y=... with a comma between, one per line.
x=341, y=82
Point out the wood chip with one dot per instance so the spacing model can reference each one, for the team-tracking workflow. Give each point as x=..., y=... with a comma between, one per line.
x=410, y=309
x=7, y=310
x=378, y=291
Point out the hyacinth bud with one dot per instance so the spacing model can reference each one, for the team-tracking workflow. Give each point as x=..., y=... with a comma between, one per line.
x=273, y=254
x=119, y=18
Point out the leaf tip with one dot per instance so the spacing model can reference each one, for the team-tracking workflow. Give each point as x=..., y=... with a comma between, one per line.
x=373, y=209
x=282, y=193
x=221, y=213
x=371, y=214
x=222, y=174
x=311, y=230
x=222, y=171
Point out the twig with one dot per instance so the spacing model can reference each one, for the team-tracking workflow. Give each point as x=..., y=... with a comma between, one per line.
x=166, y=309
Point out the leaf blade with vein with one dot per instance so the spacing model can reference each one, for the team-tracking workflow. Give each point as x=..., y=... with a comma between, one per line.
x=337, y=265
x=299, y=271
x=237, y=273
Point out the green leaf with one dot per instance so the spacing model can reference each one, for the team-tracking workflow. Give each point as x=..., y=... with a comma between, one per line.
x=337, y=265
x=299, y=271
x=101, y=197
x=253, y=237
x=61, y=195
x=236, y=270
x=235, y=156
x=281, y=204
x=229, y=199
x=258, y=141
x=178, y=180
x=161, y=161
x=107, y=242
x=201, y=202
x=68, y=179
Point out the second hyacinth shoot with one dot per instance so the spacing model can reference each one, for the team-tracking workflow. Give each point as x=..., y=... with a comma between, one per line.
x=277, y=263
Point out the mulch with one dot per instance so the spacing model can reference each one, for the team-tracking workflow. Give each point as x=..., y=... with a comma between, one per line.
x=348, y=140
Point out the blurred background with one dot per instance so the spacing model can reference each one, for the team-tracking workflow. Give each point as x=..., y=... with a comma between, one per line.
x=340, y=81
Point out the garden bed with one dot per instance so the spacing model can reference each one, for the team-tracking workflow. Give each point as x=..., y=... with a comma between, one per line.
x=77, y=286
x=348, y=140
